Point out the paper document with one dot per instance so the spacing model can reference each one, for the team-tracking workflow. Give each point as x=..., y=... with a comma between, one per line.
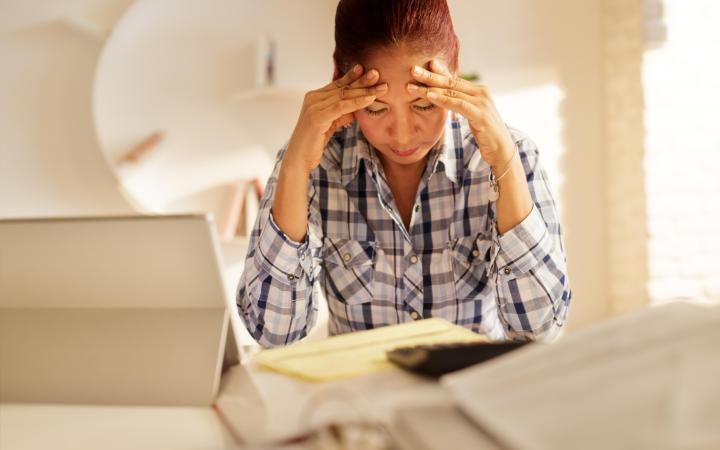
x=644, y=380
x=359, y=353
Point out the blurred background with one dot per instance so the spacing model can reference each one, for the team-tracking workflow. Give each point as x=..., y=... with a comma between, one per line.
x=159, y=106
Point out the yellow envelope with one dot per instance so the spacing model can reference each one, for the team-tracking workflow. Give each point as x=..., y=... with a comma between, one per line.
x=359, y=353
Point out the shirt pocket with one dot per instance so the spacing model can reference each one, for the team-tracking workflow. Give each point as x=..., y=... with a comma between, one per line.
x=349, y=267
x=470, y=258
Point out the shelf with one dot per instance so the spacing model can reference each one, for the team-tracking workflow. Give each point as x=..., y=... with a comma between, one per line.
x=84, y=26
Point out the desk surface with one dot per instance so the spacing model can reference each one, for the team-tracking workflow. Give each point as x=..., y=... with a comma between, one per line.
x=77, y=427
x=256, y=406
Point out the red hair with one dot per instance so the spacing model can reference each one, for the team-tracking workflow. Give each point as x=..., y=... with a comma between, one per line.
x=365, y=26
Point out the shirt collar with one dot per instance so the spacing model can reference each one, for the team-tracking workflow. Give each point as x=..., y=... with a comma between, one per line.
x=356, y=149
x=451, y=150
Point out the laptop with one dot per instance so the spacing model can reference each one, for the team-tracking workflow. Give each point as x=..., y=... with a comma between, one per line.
x=112, y=310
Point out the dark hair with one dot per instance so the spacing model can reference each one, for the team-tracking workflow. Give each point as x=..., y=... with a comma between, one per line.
x=365, y=26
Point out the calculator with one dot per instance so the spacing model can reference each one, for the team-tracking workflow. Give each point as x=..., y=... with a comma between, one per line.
x=435, y=360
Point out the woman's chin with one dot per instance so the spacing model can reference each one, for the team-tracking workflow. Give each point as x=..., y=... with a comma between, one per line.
x=406, y=157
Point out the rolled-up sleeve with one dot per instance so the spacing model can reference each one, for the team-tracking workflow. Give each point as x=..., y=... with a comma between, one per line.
x=275, y=293
x=530, y=265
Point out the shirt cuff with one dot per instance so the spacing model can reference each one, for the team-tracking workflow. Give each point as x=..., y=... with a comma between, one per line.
x=280, y=256
x=525, y=246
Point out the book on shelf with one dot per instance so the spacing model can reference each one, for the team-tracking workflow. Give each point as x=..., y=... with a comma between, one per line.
x=241, y=206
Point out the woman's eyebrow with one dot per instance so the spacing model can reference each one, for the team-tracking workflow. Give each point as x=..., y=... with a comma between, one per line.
x=411, y=101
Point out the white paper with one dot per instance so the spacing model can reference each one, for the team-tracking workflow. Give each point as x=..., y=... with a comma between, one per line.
x=633, y=382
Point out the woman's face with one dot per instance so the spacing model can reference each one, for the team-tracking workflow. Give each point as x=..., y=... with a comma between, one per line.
x=400, y=125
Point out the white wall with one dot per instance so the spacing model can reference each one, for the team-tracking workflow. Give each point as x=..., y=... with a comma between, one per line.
x=49, y=158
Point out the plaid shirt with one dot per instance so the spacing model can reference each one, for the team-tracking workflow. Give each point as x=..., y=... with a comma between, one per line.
x=450, y=263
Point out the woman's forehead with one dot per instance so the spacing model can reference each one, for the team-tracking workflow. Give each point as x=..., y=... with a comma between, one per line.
x=395, y=66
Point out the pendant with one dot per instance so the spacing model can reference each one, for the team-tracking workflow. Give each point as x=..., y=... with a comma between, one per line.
x=493, y=193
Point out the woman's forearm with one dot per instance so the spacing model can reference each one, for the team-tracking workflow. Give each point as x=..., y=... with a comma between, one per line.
x=515, y=202
x=290, y=203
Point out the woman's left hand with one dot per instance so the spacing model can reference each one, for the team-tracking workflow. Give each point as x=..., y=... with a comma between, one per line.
x=472, y=101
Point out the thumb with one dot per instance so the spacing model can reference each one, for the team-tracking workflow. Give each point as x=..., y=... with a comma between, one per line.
x=345, y=119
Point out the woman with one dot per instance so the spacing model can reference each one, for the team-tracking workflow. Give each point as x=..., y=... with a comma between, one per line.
x=403, y=195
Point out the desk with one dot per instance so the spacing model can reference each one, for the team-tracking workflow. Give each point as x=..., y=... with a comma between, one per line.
x=257, y=406
x=79, y=427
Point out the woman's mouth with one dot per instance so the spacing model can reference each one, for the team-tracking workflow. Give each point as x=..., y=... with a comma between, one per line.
x=406, y=152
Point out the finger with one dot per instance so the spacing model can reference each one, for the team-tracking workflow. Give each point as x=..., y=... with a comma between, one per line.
x=447, y=81
x=370, y=78
x=341, y=122
x=423, y=92
x=350, y=93
x=456, y=104
x=342, y=107
x=436, y=66
x=350, y=76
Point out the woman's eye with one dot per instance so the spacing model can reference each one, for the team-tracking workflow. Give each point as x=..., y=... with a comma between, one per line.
x=377, y=112
x=374, y=112
x=424, y=107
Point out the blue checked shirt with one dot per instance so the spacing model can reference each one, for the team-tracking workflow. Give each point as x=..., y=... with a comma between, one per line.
x=450, y=263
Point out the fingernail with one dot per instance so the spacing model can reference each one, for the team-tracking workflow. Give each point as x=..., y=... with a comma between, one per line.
x=412, y=87
x=432, y=96
x=416, y=70
x=357, y=68
x=372, y=74
x=382, y=87
x=437, y=64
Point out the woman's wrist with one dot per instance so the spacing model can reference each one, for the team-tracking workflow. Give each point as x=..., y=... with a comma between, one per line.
x=504, y=164
x=294, y=165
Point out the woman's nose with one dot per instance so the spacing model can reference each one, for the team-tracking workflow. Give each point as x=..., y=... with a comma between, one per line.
x=404, y=128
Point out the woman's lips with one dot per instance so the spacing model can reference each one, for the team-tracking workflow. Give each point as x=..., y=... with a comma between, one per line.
x=406, y=152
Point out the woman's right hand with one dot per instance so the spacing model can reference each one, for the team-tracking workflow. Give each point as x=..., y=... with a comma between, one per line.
x=324, y=111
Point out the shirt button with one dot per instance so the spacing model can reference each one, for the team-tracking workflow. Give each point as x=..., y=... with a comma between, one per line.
x=417, y=208
x=291, y=277
x=413, y=259
x=476, y=253
x=347, y=257
x=415, y=315
x=507, y=270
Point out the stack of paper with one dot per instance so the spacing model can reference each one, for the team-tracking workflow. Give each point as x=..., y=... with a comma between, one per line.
x=359, y=353
x=647, y=380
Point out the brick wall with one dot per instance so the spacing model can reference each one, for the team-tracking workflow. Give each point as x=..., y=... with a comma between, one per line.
x=623, y=47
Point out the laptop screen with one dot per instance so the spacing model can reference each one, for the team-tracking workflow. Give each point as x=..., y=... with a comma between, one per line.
x=114, y=310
